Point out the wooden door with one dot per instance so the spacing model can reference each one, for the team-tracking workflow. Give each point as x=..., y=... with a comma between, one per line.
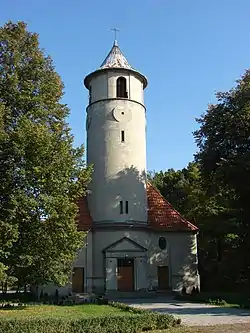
x=125, y=277
x=78, y=280
x=163, y=277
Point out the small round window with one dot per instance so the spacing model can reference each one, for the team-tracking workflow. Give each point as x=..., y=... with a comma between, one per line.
x=162, y=243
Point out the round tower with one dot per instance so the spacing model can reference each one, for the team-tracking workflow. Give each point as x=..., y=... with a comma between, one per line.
x=116, y=141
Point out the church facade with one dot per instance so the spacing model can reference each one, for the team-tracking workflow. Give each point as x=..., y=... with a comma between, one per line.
x=136, y=240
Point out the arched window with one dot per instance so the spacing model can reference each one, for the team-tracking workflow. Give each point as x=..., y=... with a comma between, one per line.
x=121, y=87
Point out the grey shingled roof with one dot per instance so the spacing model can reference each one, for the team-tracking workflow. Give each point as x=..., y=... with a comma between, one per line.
x=115, y=59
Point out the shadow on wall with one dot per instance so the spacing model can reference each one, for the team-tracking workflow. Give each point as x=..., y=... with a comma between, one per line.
x=130, y=184
x=180, y=253
x=189, y=271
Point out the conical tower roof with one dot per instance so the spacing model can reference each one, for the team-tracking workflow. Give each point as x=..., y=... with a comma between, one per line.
x=115, y=59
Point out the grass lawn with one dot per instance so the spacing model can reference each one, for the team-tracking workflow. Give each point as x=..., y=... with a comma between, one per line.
x=71, y=311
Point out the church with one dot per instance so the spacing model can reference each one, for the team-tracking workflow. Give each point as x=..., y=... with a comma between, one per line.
x=136, y=241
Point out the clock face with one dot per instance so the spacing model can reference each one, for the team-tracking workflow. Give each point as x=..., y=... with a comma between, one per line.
x=121, y=114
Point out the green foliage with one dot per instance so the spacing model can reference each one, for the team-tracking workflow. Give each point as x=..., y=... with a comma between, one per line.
x=42, y=174
x=125, y=307
x=183, y=189
x=224, y=157
x=186, y=190
x=131, y=322
x=2, y=272
x=16, y=298
x=213, y=192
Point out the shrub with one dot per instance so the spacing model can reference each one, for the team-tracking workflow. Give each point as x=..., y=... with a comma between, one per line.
x=17, y=297
x=116, y=324
x=128, y=308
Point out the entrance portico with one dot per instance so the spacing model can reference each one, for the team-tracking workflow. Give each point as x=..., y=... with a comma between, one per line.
x=126, y=266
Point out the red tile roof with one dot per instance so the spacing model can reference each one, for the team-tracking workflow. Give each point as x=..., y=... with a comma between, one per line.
x=162, y=216
x=84, y=220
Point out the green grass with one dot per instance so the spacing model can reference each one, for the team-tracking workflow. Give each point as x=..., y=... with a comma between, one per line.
x=88, y=318
x=52, y=311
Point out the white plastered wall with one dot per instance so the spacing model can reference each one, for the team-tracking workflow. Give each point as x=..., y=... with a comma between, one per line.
x=180, y=256
x=119, y=167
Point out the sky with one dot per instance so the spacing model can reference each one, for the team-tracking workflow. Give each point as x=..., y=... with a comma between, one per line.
x=188, y=50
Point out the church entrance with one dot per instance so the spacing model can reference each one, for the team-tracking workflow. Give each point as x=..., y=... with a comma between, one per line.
x=78, y=280
x=125, y=274
x=163, y=278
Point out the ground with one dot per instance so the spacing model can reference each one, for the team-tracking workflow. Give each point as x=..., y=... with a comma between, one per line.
x=196, y=317
x=195, y=314
x=237, y=328
x=76, y=311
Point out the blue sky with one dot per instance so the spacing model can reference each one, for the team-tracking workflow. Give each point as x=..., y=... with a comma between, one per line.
x=188, y=49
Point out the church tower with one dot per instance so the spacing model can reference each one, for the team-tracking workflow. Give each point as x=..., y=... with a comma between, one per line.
x=116, y=141
x=135, y=240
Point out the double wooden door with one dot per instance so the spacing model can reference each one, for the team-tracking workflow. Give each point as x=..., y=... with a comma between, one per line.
x=125, y=276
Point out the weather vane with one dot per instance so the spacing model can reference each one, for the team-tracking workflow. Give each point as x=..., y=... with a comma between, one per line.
x=115, y=32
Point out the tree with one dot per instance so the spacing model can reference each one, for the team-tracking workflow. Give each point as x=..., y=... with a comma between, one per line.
x=224, y=156
x=180, y=187
x=42, y=174
x=186, y=191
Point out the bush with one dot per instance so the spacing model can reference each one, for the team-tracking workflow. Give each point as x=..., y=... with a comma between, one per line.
x=17, y=297
x=128, y=308
x=116, y=324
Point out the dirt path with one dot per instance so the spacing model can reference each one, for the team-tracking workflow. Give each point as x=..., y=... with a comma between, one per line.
x=236, y=328
x=194, y=314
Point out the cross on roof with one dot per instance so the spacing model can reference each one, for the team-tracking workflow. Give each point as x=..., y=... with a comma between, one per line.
x=115, y=32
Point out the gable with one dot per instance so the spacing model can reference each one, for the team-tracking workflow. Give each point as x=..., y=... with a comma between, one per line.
x=125, y=244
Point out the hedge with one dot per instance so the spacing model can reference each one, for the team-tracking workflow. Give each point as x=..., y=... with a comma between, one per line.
x=131, y=323
x=128, y=308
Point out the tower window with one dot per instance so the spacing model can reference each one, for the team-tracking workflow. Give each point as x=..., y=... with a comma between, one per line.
x=122, y=136
x=126, y=207
x=121, y=87
x=121, y=207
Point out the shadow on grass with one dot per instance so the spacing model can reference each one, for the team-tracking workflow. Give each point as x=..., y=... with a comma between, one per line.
x=211, y=311
x=217, y=298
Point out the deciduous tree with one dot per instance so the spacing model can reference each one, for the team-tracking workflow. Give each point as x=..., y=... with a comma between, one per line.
x=42, y=174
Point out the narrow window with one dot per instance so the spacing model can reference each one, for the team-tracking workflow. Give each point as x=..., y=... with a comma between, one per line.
x=122, y=136
x=121, y=207
x=126, y=207
x=121, y=87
